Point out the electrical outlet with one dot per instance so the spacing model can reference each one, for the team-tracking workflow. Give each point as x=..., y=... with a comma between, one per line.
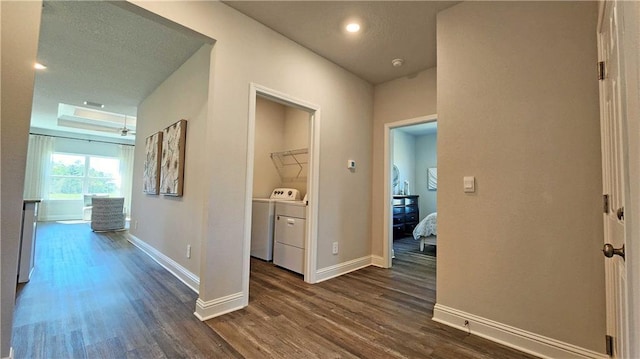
x=135, y=225
x=188, y=251
x=334, y=249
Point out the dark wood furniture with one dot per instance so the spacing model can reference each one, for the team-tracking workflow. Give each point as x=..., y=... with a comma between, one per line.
x=405, y=215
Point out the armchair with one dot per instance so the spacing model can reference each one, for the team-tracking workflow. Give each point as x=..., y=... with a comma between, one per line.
x=107, y=213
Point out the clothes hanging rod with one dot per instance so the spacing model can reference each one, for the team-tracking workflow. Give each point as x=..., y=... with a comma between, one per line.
x=82, y=139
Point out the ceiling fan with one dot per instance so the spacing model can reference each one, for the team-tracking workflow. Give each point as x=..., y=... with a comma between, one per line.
x=124, y=131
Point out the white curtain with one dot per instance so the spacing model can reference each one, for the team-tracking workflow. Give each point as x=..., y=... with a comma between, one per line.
x=38, y=167
x=126, y=175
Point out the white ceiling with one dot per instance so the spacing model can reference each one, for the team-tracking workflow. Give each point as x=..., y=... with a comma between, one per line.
x=96, y=51
x=100, y=52
x=390, y=29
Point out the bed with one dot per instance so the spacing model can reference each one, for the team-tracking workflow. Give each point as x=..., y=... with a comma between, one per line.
x=427, y=230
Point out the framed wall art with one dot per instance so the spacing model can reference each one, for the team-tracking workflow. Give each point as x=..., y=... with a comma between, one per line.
x=432, y=179
x=172, y=161
x=151, y=175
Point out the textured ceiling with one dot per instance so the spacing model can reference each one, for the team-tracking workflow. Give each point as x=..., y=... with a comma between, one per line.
x=390, y=29
x=96, y=51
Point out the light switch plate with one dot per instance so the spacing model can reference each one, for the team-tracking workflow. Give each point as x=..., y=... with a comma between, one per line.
x=469, y=184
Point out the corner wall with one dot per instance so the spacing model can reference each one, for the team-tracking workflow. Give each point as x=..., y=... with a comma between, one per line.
x=518, y=109
x=169, y=224
x=404, y=157
x=20, y=26
x=396, y=100
x=426, y=157
x=246, y=52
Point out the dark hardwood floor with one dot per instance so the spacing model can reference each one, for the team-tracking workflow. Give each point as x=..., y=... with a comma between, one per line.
x=371, y=313
x=97, y=296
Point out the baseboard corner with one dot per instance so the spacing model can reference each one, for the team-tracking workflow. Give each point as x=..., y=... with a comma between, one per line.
x=206, y=310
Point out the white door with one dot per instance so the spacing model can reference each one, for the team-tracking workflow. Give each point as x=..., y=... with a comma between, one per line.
x=615, y=175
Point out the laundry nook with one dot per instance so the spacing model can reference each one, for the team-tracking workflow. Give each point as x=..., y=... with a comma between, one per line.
x=279, y=206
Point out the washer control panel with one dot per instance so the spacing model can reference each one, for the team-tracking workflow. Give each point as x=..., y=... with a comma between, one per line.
x=285, y=194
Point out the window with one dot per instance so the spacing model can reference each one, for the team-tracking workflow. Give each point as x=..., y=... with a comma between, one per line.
x=74, y=175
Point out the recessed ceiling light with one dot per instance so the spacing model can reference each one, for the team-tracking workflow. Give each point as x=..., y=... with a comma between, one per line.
x=353, y=27
x=39, y=66
x=94, y=104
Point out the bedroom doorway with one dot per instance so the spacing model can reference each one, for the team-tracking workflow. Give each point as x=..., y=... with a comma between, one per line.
x=410, y=190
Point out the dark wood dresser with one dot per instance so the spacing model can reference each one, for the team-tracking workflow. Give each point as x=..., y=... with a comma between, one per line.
x=405, y=215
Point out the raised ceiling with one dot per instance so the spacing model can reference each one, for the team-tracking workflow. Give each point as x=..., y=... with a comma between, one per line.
x=389, y=30
x=99, y=52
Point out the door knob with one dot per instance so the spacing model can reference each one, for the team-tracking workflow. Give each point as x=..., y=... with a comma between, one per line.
x=609, y=251
x=620, y=213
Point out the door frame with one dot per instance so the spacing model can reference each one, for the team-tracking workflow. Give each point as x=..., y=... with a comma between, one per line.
x=387, y=235
x=630, y=13
x=311, y=239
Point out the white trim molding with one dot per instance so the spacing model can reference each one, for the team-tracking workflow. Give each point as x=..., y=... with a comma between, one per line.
x=214, y=308
x=387, y=234
x=191, y=280
x=513, y=337
x=312, y=185
x=342, y=268
x=378, y=261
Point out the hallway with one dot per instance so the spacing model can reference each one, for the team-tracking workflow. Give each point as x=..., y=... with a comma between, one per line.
x=97, y=296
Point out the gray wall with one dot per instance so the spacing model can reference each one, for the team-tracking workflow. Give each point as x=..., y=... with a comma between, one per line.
x=396, y=100
x=404, y=157
x=245, y=52
x=278, y=128
x=20, y=26
x=426, y=157
x=518, y=109
x=166, y=223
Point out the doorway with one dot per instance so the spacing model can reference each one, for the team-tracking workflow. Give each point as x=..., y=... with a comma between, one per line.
x=403, y=188
x=289, y=177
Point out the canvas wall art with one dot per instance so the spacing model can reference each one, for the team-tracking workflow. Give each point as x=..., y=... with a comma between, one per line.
x=172, y=162
x=432, y=179
x=151, y=175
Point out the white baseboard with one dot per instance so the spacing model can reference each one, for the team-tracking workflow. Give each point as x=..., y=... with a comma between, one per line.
x=378, y=262
x=342, y=268
x=191, y=280
x=516, y=338
x=217, y=307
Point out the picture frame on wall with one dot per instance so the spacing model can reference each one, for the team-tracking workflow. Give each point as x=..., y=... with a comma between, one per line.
x=172, y=159
x=432, y=179
x=151, y=173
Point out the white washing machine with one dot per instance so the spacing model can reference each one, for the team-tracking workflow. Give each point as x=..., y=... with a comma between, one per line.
x=262, y=221
x=289, y=235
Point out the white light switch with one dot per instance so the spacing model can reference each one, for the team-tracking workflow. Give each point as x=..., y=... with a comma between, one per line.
x=469, y=184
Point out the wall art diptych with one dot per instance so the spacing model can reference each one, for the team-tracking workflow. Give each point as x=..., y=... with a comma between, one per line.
x=151, y=175
x=172, y=159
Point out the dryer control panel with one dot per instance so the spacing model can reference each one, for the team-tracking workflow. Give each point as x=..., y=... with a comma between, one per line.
x=285, y=194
